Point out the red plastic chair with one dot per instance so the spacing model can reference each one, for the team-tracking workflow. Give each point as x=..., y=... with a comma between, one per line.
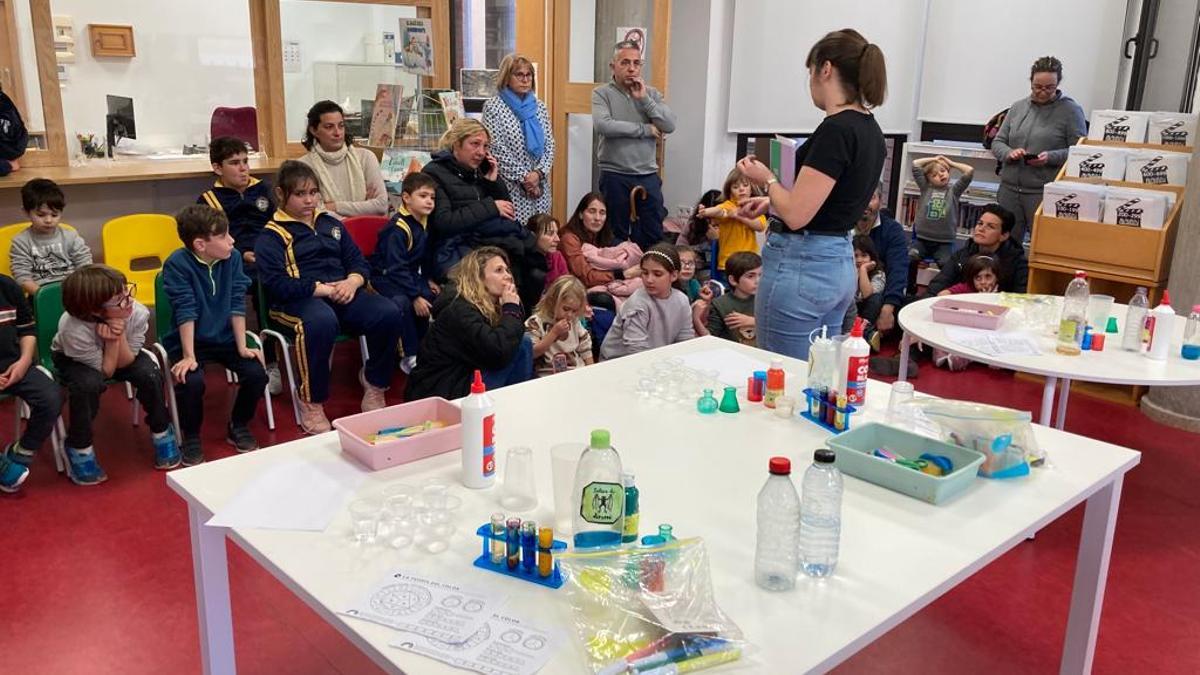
x=241, y=123
x=364, y=230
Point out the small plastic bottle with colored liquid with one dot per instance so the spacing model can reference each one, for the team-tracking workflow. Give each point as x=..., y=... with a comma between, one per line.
x=1191, y=335
x=774, y=384
x=630, y=533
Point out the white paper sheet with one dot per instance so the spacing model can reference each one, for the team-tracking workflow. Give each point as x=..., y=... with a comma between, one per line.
x=293, y=495
x=504, y=645
x=442, y=610
x=993, y=343
x=732, y=367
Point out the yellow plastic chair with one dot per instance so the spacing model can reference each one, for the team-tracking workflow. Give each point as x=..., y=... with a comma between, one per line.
x=7, y=233
x=141, y=235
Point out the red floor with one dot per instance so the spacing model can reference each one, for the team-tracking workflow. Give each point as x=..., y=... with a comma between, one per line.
x=99, y=580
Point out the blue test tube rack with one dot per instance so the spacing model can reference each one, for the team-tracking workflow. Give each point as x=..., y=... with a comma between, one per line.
x=806, y=413
x=484, y=562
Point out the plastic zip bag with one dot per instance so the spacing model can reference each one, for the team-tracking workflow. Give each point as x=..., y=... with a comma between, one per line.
x=640, y=608
x=1003, y=435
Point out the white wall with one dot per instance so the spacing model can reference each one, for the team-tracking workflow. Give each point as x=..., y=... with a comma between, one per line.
x=190, y=59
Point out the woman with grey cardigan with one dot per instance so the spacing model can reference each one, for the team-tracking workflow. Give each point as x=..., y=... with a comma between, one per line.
x=1033, y=142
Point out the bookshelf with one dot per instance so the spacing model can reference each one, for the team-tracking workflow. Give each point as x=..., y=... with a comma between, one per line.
x=982, y=190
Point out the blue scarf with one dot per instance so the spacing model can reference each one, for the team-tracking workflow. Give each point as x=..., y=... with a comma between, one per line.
x=526, y=110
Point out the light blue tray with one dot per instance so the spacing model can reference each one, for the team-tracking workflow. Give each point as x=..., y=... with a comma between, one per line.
x=854, y=450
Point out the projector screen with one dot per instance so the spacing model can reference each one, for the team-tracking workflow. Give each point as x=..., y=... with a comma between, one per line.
x=768, y=90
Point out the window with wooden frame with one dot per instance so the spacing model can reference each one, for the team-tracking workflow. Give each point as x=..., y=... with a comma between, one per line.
x=29, y=75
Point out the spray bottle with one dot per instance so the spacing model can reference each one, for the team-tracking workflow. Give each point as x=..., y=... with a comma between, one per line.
x=478, y=443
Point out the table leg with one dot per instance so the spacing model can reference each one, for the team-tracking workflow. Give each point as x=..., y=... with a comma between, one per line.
x=1047, y=401
x=905, y=342
x=211, y=570
x=1091, y=574
x=1064, y=392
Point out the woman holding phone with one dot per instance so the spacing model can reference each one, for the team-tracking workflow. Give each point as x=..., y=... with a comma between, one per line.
x=472, y=207
x=808, y=276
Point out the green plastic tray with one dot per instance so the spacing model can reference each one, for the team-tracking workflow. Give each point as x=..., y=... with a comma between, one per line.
x=854, y=458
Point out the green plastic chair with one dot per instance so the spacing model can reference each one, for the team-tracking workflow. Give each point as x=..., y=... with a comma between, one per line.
x=164, y=322
x=270, y=328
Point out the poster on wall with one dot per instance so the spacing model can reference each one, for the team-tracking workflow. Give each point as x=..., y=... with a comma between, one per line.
x=383, y=115
x=477, y=82
x=415, y=52
x=635, y=34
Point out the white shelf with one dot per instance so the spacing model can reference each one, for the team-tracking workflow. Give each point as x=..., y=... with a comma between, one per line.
x=910, y=191
x=965, y=150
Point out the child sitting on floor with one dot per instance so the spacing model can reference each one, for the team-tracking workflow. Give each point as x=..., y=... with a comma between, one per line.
x=560, y=340
x=731, y=316
x=207, y=290
x=546, y=264
x=981, y=274
x=657, y=314
x=868, y=293
x=100, y=336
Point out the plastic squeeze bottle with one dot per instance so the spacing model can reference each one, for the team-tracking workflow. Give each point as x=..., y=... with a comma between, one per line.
x=856, y=354
x=1159, y=323
x=478, y=443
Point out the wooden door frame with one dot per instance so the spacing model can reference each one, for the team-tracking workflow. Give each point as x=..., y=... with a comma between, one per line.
x=576, y=97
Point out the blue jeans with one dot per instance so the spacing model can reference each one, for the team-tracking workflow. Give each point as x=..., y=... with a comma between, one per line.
x=519, y=370
x=807, y=282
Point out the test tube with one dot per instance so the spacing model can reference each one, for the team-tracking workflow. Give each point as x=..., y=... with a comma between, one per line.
x=545, y=561
x=513, y=542
x=497, y=541
x=529, y=546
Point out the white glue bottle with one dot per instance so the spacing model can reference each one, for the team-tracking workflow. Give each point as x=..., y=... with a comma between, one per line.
x=855, y=356
x=478, y=443
x=1160, y=323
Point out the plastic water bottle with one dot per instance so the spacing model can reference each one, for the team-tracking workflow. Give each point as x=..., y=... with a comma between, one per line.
x=776, y=549
x=600, y=518
x=1135, y=317
x=1074, y=316
x=1191, y=335
x=1160, y=323
x=820, y=515
x=478, y=442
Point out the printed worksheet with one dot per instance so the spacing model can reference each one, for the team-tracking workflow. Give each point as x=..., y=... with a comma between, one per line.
x=504, y=645
x=441, y=610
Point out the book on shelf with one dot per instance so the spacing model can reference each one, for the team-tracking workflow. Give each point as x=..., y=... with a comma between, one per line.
x=384, y=111
x=398, y=163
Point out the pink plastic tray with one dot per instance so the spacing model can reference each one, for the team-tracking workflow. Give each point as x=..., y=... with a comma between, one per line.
x=353, y=430
x=973, y=314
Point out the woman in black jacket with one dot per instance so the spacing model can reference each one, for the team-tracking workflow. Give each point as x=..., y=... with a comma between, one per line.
x=473, y=206
x=478, y=325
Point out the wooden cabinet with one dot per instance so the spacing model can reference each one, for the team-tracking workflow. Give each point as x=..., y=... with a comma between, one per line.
x=111, y=40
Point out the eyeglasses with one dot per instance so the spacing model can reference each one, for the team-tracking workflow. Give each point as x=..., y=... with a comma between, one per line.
x=125, y=300
x=523, y=76
x=688, y=264
x=1043, y=87
x=625, y=63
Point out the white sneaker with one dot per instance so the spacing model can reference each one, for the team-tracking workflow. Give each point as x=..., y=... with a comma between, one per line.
x=274, y=380
x=408, y=363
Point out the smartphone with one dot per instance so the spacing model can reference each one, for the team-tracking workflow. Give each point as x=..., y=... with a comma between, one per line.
x=485, y=167
x=1029, y=158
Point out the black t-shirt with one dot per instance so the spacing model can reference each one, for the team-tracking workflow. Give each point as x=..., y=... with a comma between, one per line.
x=849, y=148
x=16, y=320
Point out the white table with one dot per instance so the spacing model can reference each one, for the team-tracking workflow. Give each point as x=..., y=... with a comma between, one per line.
x=702, y=475
x=1113, y=365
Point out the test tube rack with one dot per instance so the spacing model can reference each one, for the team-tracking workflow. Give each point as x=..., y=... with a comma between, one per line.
x=814, y=397
x=484, y=562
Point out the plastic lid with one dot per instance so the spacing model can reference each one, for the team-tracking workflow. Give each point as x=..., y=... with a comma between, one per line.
x=653, y=540
x=857, y=331
x=477, y=385
x=627, y=479
x=777, y=364
x=760, y=374
x=1166, y=297
x=824, y=456
x=780, y=466
x=600, y=438
x=1080, y=273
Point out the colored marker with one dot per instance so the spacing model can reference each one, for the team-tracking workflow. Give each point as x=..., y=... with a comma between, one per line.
x=699, y=663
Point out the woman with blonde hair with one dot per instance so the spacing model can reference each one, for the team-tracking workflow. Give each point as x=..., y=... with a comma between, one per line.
x=473, y=207
x=521, y=136
x=477, y=324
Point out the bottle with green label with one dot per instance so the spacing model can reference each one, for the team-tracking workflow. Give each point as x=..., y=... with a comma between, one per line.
x=600, y=518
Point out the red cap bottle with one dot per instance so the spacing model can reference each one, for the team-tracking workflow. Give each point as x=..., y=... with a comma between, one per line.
x=477, y=386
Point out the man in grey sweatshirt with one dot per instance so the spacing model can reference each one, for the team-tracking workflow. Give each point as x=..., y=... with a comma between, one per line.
x=630, y=116
x=1033, y=142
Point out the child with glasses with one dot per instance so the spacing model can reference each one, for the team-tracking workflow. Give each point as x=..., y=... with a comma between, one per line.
x=100, y=337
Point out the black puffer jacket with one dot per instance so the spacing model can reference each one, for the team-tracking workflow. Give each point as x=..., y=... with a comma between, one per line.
x=1014, y=268
x=461, y=340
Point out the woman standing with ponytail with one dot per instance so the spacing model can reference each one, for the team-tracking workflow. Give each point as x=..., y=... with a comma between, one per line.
x=808, y=262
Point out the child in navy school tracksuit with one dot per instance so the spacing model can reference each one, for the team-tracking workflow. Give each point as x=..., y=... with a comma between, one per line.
x=396, y=271
x=314, y=277
x=207, y=289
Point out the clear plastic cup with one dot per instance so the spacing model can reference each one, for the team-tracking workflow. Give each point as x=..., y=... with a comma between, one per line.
x=1099, y=308
x=396, y=525
x=564, y=457
x=437, y=525
x=902, y=392
x=364, y=520
x=434, y=492
x=519, y=491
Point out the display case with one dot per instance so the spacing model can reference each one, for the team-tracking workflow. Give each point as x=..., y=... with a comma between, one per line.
x=353, y=85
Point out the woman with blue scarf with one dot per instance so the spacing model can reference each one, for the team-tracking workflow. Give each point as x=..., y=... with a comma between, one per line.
x=521, y=137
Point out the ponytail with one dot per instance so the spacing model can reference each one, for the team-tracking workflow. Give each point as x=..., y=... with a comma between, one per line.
x=860, y=65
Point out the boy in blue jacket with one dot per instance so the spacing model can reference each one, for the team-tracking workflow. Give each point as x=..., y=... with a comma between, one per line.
x=396, y=263
x=207, y=289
